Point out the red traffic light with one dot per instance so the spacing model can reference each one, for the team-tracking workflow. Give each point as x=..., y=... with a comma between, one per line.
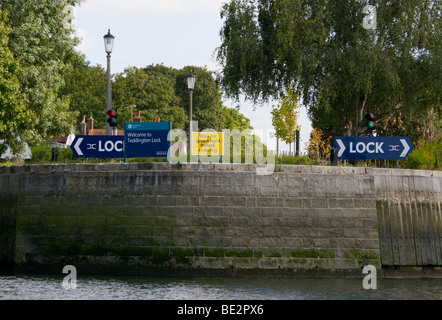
x=112, y=113
x=112, y=120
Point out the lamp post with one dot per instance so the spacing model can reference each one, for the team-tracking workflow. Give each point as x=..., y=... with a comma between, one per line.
x=108, y=44
x=190, y=86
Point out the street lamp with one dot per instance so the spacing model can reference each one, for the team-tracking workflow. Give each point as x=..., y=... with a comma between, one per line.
x=108, y=44
x=190, y=86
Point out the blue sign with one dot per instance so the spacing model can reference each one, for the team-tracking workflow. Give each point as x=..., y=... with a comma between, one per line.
x=98, y=147
x=373, y=148
x=146, y=139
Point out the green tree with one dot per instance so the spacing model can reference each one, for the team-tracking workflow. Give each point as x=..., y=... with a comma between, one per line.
x=342, y=69
x=233, y=119
x=13, y=111
x=43, y=43
x=160, y=91
x=207, y=106
x=86, y=89
x=152, y=94
x=285, y=117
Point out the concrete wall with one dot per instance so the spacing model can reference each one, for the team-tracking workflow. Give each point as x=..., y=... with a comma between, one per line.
x=201, y=219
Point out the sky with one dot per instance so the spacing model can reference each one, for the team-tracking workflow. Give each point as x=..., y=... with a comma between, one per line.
x=175, y=33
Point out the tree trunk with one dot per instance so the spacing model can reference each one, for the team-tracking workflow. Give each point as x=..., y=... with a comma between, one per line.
x=277, y=146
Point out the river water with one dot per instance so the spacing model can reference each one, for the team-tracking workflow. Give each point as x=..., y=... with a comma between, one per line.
x=39, y=287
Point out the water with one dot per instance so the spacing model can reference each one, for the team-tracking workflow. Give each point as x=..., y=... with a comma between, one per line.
x=38, y=287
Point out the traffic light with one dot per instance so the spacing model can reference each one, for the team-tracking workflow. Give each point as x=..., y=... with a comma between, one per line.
x=370, y=121
x=112, y=120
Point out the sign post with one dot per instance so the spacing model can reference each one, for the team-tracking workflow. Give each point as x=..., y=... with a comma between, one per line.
x=146, y=139
x=208, y=143
x=98, y=146
x=373, y=148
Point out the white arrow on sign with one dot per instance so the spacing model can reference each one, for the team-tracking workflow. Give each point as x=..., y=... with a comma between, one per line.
x=406, y=147
x=341, y=147
x=77, y=146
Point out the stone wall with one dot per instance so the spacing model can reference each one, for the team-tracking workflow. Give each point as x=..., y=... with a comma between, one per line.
x=193, y=219
x=8, y=213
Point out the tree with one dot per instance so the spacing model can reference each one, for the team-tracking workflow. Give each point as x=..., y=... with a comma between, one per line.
x=153, y=94
x=319, y=146
x=42, y=41
x=207, y=106
x=85, y=87
x=233, y=119
x=285, y=117
x=160, y=91
x=13, y=111
x=342, y=69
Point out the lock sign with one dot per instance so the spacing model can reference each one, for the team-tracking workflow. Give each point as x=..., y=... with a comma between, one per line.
x=98, y=146
x=110, y=146
x=392, y=148
x=370, y=147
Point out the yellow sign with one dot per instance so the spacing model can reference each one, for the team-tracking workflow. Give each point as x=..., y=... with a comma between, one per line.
x=207, y=143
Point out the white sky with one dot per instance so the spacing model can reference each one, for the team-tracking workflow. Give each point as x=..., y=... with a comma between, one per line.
x=175, y=33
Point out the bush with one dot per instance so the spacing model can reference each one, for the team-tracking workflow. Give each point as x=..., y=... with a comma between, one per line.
x=148, y=159
x=299, y=160
x=41, y=152
x=66, y=155
x=422, y=158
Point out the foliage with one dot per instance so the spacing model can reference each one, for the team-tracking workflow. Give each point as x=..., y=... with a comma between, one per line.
x=341, y=68
x=160, y=91
x=319, y=146
x=147, y=160
x=207, y=106
x=152, y=94
x=155, y=91
x=233, y=119
x=42, y=42
x=41, y=152
x=426, y=155
x=422, y=158
x=66, y=155
x=296, y=160
x=428, y=147
x=285, y=116
x=13, y=111
x=86, y=89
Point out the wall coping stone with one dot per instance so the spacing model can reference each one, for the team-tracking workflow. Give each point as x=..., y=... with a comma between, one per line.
x=235, y=167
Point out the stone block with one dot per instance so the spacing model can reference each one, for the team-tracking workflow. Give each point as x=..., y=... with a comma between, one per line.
x=165, y=221
x=236, y=201
x=166, y=201
x=266, y=202
x=269, y=191
x=210, y=201
x=319, y=203
x=341, y=203
x=292, y=202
